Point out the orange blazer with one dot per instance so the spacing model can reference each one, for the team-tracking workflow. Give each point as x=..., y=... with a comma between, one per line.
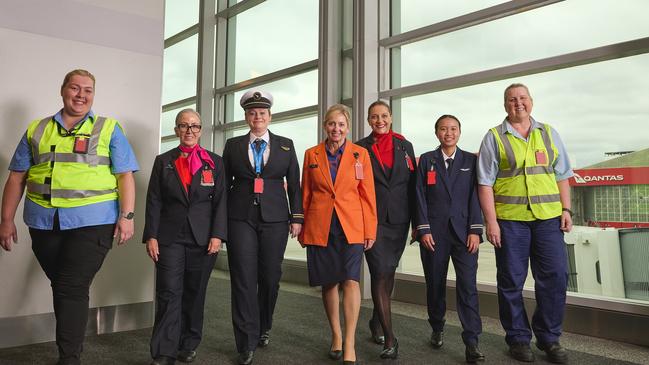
x=353, y=198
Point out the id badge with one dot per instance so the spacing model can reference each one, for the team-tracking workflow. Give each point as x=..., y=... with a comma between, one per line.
x=258, y=186
x=80, y=145
x=409, y=163
x=358, y=167
x=432, y=178
x=540, y=158
x=207, y=178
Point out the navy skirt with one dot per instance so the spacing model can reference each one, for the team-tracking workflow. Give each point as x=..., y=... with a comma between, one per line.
x=384, y=256
x=337, y=262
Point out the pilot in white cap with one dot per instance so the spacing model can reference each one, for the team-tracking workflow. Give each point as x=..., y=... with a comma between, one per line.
x=256, y=99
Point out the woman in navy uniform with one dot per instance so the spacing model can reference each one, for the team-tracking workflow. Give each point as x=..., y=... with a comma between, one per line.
x=393, y=163
x=449, y=224
x=260, y=219
x=185, y=225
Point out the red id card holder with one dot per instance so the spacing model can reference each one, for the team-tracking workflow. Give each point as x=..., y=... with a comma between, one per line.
x=432, y=178
x=80, y=145
x=207, y=178
x=540, y=158
x=358, y=167
x=258, y=186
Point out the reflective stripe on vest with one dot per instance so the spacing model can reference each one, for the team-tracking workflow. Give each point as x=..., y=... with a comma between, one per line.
x=62, y=178
x=523, y=190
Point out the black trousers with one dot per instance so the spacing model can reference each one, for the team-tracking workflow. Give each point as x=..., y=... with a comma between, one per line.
x=182, y=274
x=70, y=259
x=255, y=254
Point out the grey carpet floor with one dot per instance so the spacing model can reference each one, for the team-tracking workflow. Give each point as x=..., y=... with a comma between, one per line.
x=300, y=335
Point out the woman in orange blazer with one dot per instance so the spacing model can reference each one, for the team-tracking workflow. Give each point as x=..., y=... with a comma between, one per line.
x=339, y=224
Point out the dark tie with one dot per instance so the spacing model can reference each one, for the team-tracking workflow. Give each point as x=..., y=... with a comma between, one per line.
x=258, y=143
x=449, y=162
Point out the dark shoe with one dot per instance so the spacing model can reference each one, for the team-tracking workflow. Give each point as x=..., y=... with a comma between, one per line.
x=69, y=361
x=186, y=356
x=473, y=354
x=437, y=339
x=335, y=354
x=555, y=352
x=521, y=352
x=264, y=339
x=376, y=337
x=163, y=360
x=245, y=358
x=391, y=352
x=349, y=362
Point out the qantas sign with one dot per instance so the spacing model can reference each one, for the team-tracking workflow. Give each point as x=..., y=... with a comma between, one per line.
x=612, y=176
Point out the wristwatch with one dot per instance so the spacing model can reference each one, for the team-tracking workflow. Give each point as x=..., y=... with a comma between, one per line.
x=567, y=210
x=127, y=215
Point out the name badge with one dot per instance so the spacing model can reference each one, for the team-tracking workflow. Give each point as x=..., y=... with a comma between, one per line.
x=80, y=145
x=432, y=178
x=207, y=178
x=258, y=185
x=358, y=167
x=540, y=158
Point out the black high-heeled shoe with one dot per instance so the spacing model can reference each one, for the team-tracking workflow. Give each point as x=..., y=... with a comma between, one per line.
x=391, y=352
x=378, y=339
x=335, y=354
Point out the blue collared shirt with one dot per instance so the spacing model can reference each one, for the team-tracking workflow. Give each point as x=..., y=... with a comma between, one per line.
x=38, y=217
x=489, y=156
x=334, y=160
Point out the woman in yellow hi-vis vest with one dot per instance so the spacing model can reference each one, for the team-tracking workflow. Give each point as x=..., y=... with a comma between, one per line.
x=523, y=173
x=78, y=171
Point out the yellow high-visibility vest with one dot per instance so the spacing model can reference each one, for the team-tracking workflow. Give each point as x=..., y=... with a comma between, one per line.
x=61, y=177
x=525, y=188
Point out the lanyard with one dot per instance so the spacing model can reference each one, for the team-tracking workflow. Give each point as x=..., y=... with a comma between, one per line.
x=258, y=156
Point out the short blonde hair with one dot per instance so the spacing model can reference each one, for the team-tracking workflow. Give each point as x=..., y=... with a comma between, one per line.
x=334, y=109
x=514, y=86
x=187, y=111
x=77, y=72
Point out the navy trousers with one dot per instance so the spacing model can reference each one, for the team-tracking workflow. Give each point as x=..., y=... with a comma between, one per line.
x=540, y=243
x=435, y=270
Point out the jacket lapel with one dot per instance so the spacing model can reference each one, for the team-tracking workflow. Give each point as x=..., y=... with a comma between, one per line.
x=274, y=149
x=172, y=164
x=455, y=169
x=243, y=151
x=323, y=164
x=345, y=160
x=378, y=170
x=440, y=166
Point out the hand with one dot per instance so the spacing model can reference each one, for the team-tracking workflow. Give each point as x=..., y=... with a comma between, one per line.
x=493, y=234
x=472, y=243
x=124, y=230
x=566, y=222
x=152, y=249
x=295, y=229
x=8, y=234
x=214, y=246
x=428, y=241
x=368, y=243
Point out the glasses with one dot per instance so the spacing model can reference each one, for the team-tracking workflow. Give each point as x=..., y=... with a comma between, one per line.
x=193, y=127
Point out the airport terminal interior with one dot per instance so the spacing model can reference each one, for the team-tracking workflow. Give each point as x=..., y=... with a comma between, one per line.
x=585, y=63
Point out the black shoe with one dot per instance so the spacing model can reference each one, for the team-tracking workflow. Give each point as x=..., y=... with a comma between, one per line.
x=264, y=339
x=473, y=354
x=69, y=361
x=391, y=352
x=335, y=354
x=376, y=337
x=437, y=339
x=349, y=362
x=521, y=352
x=245, y=358
x=186, y=356
x=555, y=352
x=163, y=360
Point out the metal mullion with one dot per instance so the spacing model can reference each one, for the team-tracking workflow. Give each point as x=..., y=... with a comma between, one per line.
x=465, y=21
x=593, y=55
x=278, y=118
x=179, y=104
x=273, y=76
x=238, y=8
x=179, y=37
x=205, y=69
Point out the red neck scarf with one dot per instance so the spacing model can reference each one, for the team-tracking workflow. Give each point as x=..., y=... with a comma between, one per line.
x=383, y=147
x=194, y=157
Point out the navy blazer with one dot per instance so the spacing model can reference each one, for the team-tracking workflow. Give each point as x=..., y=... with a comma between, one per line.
x=452, y=199
x=169, y=205
x=395, y=194
x=240, y=174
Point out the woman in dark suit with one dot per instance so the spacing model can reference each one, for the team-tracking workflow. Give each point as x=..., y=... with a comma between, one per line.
x=185, y=225
x=259, y=220
x=393, y=163
x=339, y=223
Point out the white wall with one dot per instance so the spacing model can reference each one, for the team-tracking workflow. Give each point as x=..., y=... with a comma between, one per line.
x=122, y=45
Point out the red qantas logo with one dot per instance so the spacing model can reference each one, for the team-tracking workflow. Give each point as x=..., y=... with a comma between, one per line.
x=588, y=178
x=610, y=176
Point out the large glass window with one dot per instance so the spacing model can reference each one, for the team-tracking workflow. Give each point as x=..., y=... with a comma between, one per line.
x=180, y=70
x=180, y=15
